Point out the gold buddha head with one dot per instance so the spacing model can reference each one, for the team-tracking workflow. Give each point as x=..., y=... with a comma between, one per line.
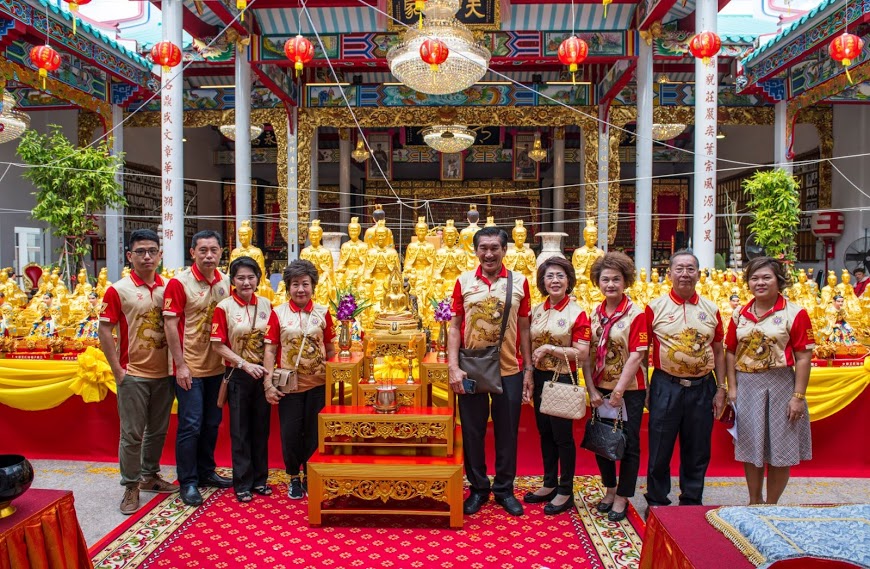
x=245, y=233
x=315, y=233
x=381, y=234
x=642, y=277
x=103, y=276
x=354, y=228
x=82, y=277
x=450, y=234
x=473, y=216
x=846, y=277
x=832, y=279
x=802, y=276
x=421, y=230
x=654, y=276
x=590, y=232
x=519, y=234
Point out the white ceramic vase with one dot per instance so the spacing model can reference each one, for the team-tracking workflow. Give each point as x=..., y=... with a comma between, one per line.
x=551, y=245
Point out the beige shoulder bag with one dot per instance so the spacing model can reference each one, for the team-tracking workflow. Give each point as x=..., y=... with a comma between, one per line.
x=565, y=400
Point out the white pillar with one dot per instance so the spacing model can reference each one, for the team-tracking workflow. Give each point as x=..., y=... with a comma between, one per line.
x=344, y=177
x=559, y=179
x=172, y=154
x=243, y=136
x=780, y=141
x=704, y=187
x=115, y=217
x=643, y=187
x=603, y=182
x=315, y=178
x=292, y=186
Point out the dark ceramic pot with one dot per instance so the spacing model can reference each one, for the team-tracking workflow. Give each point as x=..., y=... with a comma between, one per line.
x=16, y=475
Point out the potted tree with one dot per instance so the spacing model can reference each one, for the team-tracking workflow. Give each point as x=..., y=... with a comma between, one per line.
x=74, y=185
x=774, y=202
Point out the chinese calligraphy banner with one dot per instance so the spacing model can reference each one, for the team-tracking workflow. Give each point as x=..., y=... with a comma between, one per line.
x=473, y=13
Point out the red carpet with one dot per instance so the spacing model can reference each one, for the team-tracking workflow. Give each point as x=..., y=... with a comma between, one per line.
x=273, y=532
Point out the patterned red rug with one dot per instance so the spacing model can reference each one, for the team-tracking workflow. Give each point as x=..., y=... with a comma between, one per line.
x=274, y=532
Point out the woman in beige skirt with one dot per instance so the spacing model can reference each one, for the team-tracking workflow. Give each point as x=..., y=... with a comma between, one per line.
x=769, y=347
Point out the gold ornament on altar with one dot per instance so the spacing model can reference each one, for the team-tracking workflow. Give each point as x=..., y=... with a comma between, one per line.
x=352, y=257
x=321, y=258
x=381, y=261
x=247, y=249
x=419, y=264
x=450, y=262
x=584, y=257
x=522, y=259
x=396, y=314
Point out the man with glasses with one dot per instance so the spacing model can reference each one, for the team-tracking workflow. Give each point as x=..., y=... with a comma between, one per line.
x=140, y=364
x=686, y=336
x=189, y=303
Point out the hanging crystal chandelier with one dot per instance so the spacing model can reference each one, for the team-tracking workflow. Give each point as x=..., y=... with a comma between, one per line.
x=12, y=123
x=449, y=138
x=466, y=62
x=229, y=130
x=538, y=152
x=360, y=154
x=667, y=131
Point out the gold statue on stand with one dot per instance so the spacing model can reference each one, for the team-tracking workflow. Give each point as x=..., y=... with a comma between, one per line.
x=584, y=257
x=830, y=290
x=379, y=216
x=247, y=249
x=103, y=282
x=450, y=262
x=419, y=262
x=381, y=262
x=639, y=291
x=522, y=259
x=466, y=236
x=321, y=258
x=351, y=260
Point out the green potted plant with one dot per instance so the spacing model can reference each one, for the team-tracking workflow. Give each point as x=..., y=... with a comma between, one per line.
x=774, y=201
x=73, y=185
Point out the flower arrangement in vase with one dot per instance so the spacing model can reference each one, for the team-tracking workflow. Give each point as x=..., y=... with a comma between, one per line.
x=346, y=310
x=443, y=314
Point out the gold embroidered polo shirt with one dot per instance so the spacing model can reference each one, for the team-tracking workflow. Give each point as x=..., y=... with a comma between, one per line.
x=561, y=325
x=629, y=334
x=242, y=326
x=768, y=341
x=287, y=328
x=683, y=333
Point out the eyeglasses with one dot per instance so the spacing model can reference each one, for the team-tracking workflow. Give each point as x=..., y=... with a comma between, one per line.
x=142, y=252
x=684, y=270
x=555, y=276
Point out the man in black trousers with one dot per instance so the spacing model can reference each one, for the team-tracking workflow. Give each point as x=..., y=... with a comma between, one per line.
x=684, y=397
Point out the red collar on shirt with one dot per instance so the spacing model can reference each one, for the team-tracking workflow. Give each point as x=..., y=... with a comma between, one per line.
x=158, y=280
x=619, y=308
x=559, y=306
x=295, y=308
x=680, y=300
x=502, y=274
x=241, y=302
x=197, y=274
x=747, y=312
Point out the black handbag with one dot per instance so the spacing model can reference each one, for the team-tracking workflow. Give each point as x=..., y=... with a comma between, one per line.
x=483, y=365
x=606, y=439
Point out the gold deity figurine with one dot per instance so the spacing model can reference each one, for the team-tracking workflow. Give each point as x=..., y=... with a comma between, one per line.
x=351, y=260
x=103, y=282
x=378, y=216
x=247, y=249
x=847, y=291
x=321, y=257
x=466, y=236
x=830, y=289
x=381, y=261
x=654, y=286
x=639, y=291
x=395, y=307
x=15, y=297
x=584, y=257
x=450, y=262
x=522, y=259
x=490, y=221
x=83, y=287
x=419, y=262
x=280, y=295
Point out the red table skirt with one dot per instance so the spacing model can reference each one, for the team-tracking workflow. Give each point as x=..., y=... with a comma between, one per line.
x=43, y=533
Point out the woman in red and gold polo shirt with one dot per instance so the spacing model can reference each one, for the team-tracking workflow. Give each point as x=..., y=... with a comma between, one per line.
x=238, y=330
x=303, y=332
x=616, y=371
x=559, y=333
x=769, y=347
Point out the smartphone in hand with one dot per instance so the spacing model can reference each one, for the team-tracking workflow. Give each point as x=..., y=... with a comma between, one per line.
x=470, y=386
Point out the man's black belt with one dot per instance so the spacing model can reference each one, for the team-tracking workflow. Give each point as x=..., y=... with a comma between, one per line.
x=684, y=381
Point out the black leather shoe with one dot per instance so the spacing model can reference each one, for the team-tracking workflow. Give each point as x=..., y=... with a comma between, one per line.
x=510, y=504
x=474, y=503
x=532, y=498
x=552, y=510
x=615, y=516
x=215, y=480
x=190, y=495
x=603, y=507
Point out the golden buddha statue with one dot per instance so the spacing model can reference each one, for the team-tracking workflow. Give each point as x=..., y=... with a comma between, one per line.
x=829, y=290
x=639, y=292
x=490, y=221
x=281, y=295
x=83, y=287
x=15, y=297
x=419, y=262
x=378, y=216
x=584, y=257
x=583, y=297
x=715, y=288
x=351, y=260
x=654, y=286
x=395, y=312
x=381, y=261
x=450, y=262
x=321, y=257
x=847, y=291
x=522, y=259
x=703, y=287
x=103, y=280
x=466, y=236
x=247, y=249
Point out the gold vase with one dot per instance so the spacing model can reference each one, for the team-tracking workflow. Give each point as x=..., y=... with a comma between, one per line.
x=442, y=342
x=344, y=340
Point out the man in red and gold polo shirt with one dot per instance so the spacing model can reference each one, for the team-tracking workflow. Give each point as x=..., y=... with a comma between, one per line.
x=683, y=398
x=140, y=364
x=479, y=299
x=188, y=308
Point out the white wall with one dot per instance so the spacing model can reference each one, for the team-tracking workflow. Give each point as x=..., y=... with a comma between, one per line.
x=851, y=137
x=754, y=145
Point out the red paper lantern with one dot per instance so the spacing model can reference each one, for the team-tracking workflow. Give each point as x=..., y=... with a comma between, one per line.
x=705, y=46
x=844, y=49
x=300, y=51
x=434, y=52
x=166, y=54
x=46, y=59
x=74, y=7
x=829, y=224
x=572, y=52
